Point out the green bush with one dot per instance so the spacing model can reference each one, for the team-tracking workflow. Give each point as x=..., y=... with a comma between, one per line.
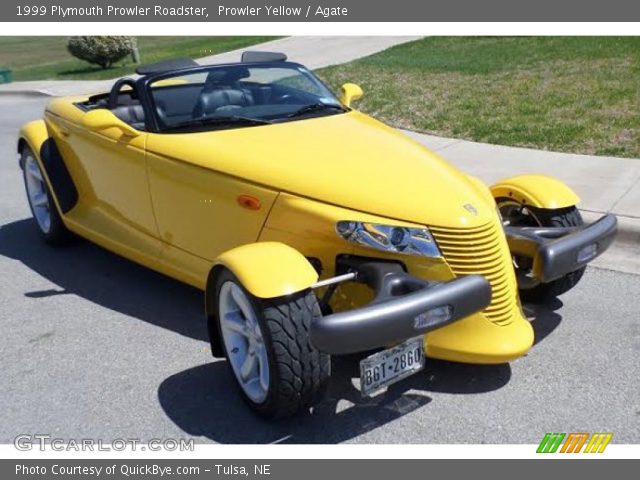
x=103, y=51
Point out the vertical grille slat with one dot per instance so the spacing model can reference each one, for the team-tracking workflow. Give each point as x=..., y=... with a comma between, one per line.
x=487, y=256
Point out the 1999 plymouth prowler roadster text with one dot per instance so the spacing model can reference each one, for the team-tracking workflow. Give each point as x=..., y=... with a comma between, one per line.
x=313, y=230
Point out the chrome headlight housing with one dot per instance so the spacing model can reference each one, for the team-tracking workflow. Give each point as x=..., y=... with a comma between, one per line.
x=389, y=238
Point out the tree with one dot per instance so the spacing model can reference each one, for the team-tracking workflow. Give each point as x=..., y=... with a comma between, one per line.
x=101, y=50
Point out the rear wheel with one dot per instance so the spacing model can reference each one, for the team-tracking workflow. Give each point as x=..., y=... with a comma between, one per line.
x=41, y=202
x=517, y=214
x=268, y=348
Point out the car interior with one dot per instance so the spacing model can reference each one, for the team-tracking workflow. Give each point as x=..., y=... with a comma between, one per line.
x=123, y=102
x=235, y=90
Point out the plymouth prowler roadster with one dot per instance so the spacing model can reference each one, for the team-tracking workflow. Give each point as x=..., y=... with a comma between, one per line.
x=312, y=229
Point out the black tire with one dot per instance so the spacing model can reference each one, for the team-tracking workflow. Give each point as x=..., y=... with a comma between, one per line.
x=57, y=234
x=299, y=373
x=560, y=217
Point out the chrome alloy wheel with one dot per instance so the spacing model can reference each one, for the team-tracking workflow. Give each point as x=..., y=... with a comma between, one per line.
x=37, y=193
x=244, y=341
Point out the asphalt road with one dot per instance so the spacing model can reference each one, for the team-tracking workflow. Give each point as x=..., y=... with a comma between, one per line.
x=95, y=346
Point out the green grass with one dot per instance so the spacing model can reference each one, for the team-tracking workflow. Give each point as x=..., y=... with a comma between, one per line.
x=47, y=58
x=570, y=94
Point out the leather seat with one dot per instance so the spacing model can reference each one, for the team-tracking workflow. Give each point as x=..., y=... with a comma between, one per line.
x=221, y=99
x=131, y=114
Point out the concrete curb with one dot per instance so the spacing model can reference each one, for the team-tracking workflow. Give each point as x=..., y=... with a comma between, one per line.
x=26, y=93
x=624, y=253
x=628, y=228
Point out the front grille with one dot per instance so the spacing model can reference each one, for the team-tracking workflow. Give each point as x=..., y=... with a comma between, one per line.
x=483, y=251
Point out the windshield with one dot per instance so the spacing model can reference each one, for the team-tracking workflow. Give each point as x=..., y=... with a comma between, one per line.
x=233, y=96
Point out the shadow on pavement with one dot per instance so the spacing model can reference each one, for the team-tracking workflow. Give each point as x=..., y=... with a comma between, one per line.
x=106, y=279
x=543, y=317
x=203, y=401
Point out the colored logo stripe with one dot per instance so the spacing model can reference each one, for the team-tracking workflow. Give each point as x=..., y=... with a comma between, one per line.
x=574, y=442
x=598, y=442
x=550, y=443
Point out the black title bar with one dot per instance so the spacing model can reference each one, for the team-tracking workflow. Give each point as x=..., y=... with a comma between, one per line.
x=320, y=11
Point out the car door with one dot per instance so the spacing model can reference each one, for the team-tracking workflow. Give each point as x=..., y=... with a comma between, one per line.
x=116, y=209
x=201, y=212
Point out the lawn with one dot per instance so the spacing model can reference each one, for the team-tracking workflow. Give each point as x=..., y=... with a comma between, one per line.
x=569, y=94
x=47, y=58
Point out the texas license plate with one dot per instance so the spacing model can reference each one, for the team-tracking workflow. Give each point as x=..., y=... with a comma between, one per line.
x=389, y=366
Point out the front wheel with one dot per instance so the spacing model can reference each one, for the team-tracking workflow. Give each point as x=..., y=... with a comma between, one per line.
x=516, y=214
x=268, y=348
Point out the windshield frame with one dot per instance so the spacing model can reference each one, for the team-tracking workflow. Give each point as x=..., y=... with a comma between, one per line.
x=155, y=126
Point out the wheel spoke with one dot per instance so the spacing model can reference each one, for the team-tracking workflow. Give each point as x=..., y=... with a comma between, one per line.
x=246, y=370
x=234, y=322
x=40, y=199
x=243, y=341
x=34, y=171
x=263, y=364
x=243, y=304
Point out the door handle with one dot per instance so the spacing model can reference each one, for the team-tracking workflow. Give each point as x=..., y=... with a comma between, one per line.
x=65, y=132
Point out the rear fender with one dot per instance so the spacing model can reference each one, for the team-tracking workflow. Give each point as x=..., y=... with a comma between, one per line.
x=265, y=269
x=538, y=191
x=33, y=135
x=36, y=136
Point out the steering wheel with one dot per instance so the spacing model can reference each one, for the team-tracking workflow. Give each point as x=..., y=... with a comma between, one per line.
x=287, y=98
x=115, y=91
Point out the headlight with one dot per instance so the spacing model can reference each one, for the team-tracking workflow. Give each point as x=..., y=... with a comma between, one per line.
x=389, y=238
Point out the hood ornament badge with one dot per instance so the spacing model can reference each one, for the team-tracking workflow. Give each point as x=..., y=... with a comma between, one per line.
x=471, y=209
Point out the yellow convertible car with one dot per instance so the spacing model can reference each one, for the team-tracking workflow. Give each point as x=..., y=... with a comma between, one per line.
x=312, y=229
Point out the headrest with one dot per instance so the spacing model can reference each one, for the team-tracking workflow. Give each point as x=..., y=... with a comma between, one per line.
x=225, y=76
x=252, y=56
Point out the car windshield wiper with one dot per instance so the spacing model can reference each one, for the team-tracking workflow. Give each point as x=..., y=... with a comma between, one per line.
x=219, y=120
x=316, y=107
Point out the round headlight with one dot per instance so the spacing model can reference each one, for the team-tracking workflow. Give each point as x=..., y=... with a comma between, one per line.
x=399, y=237
x=389, y=238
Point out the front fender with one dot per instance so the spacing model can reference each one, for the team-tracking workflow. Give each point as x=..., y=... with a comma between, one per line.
x=268, y=269
x=539, y=191
x=265, y=269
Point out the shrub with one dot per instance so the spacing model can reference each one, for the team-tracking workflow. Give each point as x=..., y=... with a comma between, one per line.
x=103, y=51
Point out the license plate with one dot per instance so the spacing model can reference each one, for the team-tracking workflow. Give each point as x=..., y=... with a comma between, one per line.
x=392, y=365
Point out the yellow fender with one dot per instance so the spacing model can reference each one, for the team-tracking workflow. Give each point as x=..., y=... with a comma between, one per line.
x=268, y=269
x=539, y=191
x=33, y=134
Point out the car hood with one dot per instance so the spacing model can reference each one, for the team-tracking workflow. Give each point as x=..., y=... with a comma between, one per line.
x=349, y=160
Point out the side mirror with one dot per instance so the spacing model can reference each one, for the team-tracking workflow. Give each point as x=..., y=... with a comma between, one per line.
x=101, y=119
x=350, y=93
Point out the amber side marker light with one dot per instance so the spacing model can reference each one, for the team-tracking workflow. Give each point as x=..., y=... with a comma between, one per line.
x=247, y=201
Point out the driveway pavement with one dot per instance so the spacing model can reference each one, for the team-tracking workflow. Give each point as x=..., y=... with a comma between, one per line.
x=96, y=346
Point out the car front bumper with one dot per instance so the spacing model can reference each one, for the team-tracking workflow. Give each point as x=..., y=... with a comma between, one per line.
x=404, y=307
x=557, y=251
